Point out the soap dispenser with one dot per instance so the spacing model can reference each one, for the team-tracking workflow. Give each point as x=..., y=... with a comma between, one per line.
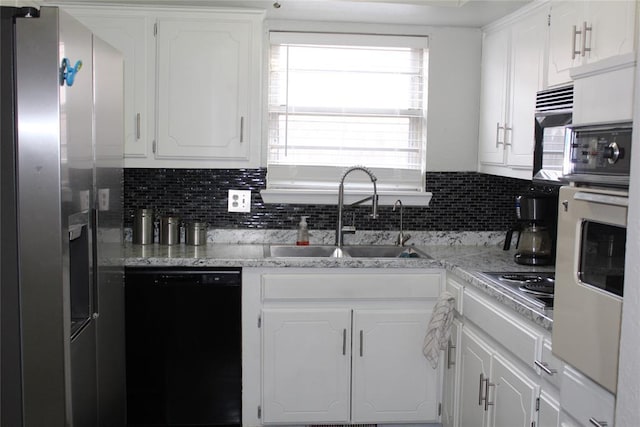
x=303, y=232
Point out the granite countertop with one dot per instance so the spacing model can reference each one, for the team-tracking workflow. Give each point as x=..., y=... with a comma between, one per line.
x=463, y=260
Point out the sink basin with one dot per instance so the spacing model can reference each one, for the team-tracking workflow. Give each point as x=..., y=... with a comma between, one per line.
x=378, y=251
x=275, y=251
x=355, y=251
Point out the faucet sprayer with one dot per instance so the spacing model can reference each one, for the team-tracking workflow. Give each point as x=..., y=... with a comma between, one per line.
x=340, y=230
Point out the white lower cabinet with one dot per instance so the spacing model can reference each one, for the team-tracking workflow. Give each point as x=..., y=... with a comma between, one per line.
x=391, y=379
x=343, y=347
x=451, y=380
x=306, y=365
x=320, y=366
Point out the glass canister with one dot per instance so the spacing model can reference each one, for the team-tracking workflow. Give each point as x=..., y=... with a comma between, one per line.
x=169, y=230
x=143, y=227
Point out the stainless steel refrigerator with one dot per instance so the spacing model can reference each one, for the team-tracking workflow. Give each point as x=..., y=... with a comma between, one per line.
x=61, y=294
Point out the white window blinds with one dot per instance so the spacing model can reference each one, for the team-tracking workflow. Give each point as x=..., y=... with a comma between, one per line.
x=338, y=100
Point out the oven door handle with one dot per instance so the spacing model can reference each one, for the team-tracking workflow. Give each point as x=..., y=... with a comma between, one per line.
x=604, y=199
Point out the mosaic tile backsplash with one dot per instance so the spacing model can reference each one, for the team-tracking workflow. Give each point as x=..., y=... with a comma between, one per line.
x=462, y=201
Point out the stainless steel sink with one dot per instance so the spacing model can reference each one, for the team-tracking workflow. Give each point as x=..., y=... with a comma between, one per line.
x=276, y=251
x=378, y=251
x=355, y=251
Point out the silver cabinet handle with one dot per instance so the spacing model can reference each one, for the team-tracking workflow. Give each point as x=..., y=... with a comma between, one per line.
x=545, y=367
x=487, y=384
x=344, y=342
x=574, y=52
x=498, y=127
x=480, y=389
x=361, y=343
x=449, y=348
x=585, y=28
x=241, y=129
x=506, y=128
x=598, y=423
x=138, y=126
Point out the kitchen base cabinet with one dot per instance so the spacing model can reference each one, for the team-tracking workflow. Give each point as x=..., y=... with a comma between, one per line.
x=494, y=392
x=391, y=379
x=339, y=346
x=451, y=379
x=306, y=365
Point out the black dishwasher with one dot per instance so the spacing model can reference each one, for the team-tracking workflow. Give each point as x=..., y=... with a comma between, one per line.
x=183, y=338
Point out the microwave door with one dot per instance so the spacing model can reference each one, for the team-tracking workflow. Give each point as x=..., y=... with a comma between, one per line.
x=548, y=154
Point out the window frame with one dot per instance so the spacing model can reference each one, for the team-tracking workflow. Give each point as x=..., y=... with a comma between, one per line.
x=285, y=185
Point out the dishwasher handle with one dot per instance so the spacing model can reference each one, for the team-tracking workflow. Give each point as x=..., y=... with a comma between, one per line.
x=206, y=279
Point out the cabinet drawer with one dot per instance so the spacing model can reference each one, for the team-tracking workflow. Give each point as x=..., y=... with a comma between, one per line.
x=552, y=363
x=351, y=286
x=521, y=340
x=456, y=289
x=583, y=399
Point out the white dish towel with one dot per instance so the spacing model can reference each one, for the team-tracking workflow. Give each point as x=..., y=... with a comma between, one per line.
x=439, y=328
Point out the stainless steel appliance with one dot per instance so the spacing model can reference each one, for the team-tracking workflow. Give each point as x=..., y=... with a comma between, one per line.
x=61, y=292
x=554, y=111
x=590, y=280
x=535, y=289
x=599, y=154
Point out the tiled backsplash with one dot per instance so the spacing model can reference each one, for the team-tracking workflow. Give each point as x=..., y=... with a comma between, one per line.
x=462, y=201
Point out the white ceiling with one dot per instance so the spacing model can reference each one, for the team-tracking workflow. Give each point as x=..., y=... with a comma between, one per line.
x=467, y=13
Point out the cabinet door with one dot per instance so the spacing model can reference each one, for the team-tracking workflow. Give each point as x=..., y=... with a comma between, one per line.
x=512, y=396
x=392, y=380
x=612, y=28
x=527, y=74
x=564, y=15
x=203, y=89
x=493, y=96
x=306, y=361
x=475, y=364
x=132, y=35
x=451, y=378
x=548, y=411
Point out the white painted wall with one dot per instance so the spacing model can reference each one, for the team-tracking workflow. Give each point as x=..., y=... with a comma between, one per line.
x=628, y=396
x=453, y=92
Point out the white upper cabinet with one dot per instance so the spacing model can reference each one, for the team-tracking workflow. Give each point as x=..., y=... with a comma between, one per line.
x=583, y=32
x=132, y=34
x=493, y=96
x=512, y=73
x=192, y=83
x=204, y=89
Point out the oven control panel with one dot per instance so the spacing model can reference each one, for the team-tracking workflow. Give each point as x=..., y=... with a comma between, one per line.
x=599, y=154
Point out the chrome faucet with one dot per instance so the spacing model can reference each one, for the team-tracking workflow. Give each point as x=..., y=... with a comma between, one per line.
x=341, y=229
x=402, y=238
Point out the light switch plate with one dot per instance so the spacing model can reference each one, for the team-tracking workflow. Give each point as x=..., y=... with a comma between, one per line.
x=239, y=201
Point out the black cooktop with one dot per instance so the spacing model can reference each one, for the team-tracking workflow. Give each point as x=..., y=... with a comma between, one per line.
x=532, y=288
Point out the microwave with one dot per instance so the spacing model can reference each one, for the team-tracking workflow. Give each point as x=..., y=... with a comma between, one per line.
x=589, y=287
x=553, y=113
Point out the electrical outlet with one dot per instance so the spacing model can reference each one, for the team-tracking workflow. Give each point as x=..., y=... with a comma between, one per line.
x=239, y=201
x=103, y=199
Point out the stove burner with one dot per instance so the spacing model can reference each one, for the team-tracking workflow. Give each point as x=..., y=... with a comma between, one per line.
x=532, y=283
x=545, y=289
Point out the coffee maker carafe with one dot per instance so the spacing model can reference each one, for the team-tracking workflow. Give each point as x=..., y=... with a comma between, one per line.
x=536, y=212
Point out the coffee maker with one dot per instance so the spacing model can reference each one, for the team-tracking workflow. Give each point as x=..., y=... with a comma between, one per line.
x=537, y=218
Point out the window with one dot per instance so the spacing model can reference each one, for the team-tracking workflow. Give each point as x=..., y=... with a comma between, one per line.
x=339, y=100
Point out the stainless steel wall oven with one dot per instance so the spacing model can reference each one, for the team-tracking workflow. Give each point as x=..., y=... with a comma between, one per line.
x=590, y=280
